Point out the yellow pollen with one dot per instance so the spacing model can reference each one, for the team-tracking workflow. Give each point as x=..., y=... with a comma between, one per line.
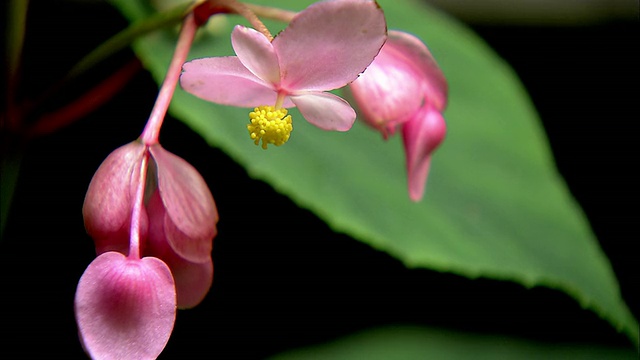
x=271, y=125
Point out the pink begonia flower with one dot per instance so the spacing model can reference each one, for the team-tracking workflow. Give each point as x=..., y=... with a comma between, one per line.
x=125, y=308
x=125, y=304
x=325, y=47
x=405, y=87
x=179, y=220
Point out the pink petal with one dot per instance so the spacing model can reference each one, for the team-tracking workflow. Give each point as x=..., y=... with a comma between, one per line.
x=325, y=110
x=413, y=51
x=389, y=91
x=119, y=240
x=125, y=309
x=190, y=224
x=328, y=44
x=107, y=205
x=421, y=136
x=193, y=280
x=226, y=81
x=256, y=53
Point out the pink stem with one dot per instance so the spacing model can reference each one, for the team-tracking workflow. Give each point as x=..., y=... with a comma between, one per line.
x=136, y=213
x=152, y=129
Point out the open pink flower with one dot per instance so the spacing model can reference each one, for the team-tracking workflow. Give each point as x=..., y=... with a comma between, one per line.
x=405, y=87
x=324, y=47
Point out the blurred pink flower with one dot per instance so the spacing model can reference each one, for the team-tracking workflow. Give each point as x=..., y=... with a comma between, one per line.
x=404, y=87
x=324, y=47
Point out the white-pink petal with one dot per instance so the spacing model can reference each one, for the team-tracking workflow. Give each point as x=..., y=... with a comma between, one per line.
x=328, y=44
x=256, y=53
x=125, y=308
x=325, y=110
x=226, y=81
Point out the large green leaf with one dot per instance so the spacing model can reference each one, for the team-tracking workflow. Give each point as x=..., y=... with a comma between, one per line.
x=417, y=343
x=495, y=205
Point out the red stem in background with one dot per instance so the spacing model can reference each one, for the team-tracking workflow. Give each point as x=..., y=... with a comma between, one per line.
x=209, y=8
x=100, y=94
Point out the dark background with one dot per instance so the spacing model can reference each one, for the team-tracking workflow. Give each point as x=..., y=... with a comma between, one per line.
x=309, y=284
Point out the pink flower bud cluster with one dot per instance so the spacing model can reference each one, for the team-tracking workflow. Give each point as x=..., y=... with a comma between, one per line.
x=127, y=298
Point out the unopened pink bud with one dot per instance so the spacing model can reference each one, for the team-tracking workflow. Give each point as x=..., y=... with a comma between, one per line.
x=178, y=219
x=404, y=87
x=421, y=135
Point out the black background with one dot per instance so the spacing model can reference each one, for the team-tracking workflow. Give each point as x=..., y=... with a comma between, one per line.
x=308, y=284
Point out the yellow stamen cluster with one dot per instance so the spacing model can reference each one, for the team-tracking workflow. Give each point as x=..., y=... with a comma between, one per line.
x=271, y=125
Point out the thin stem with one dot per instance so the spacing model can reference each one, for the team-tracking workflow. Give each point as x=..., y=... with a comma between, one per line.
x=280, y=100
x=114, y=44
x=125, y=37
x=272, y=13
x=15, y=27
x=136, y=213
x=246, y=12
x=152, y=129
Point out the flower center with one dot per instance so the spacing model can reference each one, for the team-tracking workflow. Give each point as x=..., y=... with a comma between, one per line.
x=271, y=125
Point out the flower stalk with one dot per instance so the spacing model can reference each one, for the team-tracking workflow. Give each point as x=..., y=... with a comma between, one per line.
x=136, y=213
x=272, y=13
x=152, y=129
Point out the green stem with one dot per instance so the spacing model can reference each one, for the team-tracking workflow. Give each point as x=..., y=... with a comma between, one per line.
x=116, y=43
x=128, y=35
x=16, y=25
x=10, y=160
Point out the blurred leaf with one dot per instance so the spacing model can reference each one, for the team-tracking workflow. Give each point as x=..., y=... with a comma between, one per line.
x=495, y=206
x=9, y=172
x=407, y=343
x=127, y=36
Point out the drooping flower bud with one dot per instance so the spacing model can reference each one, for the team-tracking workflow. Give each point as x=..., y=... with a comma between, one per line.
x=404, y=87
x=177, y=220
